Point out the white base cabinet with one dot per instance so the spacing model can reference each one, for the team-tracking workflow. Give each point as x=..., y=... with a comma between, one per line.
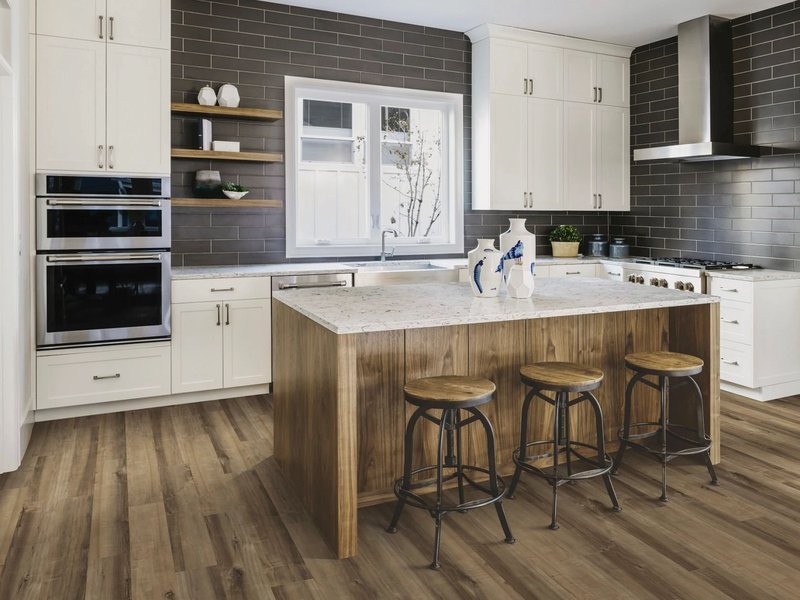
x=81, y=376
x=221, y=333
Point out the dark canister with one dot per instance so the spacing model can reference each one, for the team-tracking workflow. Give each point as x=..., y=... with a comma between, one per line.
x=597, y=245
x=618, y=248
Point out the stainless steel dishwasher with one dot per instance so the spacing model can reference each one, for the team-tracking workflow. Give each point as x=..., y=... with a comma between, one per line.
x=304, y=282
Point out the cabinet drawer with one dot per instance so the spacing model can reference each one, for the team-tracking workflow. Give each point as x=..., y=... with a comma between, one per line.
x=572, y=270
x=736, y=322
x=736, y=363
x=730, y=289
x=543, y=272
x=228, y=288
x=107, y=374
x=609, y=271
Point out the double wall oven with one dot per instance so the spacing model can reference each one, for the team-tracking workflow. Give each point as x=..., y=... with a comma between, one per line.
x=103, y=259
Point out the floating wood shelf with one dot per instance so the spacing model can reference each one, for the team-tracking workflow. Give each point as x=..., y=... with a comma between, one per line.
x=259, y=114
x=227, y=202
x=212, y=155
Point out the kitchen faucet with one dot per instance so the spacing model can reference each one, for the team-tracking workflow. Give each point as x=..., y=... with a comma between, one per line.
x=383, y=243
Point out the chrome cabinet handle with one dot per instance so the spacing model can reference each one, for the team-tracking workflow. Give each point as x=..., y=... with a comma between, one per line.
x=99, y=377
x=230, y=289
x=735, y=363
x=100, y=163
x=599, y=200
x=530, y=199
x=525, y=200
x=599, y=100
x=100, y=257
x=303, y=286
x=731, y=321
x=100, y=203
x=731, y=290
x=100, y=31
x=595, y=95
x=111, y=28
x=573, y=272
x=219, y=315
x=525, y=86
x=111, y=157
x=227, y=314
x=594, y=201
x=531, y=92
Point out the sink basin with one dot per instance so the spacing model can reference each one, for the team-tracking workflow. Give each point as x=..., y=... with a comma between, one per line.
x=394, y=266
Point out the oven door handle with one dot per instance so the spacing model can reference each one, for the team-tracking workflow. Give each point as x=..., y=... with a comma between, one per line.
x=73, y=258
x=110, y=203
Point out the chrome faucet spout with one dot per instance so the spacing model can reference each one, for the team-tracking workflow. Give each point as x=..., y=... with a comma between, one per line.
x=383, y=243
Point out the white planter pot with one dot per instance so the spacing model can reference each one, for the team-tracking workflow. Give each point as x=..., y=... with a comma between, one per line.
x=485, y=271
x=520, y=282
x=518, y=243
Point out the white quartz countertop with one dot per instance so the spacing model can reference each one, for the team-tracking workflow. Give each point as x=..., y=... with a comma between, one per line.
x=755, y=275
x=273, y=270
x=386, y=308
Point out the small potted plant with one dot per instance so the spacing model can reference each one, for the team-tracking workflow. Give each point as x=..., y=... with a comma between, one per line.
x=565, y=240
x=234, y=191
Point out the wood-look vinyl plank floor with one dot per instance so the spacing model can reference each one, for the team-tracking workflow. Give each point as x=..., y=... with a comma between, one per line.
x=186, y=502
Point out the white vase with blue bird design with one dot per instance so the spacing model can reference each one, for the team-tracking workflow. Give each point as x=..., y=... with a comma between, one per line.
x=485, y=271
x=517, y=244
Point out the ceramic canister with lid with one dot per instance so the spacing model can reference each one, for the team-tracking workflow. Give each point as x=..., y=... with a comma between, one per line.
x=618, y=248
x=597, y=245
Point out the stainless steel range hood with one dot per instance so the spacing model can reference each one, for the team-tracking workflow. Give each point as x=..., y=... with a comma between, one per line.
x=705, y=96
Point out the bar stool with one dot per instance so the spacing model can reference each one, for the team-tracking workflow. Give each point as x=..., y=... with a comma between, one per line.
x=563, y=379
x=665, y=366
x=451, y=395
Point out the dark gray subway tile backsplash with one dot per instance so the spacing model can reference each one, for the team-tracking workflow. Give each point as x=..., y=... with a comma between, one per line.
x=253, y=45
x=747, y=210
x=743, y=210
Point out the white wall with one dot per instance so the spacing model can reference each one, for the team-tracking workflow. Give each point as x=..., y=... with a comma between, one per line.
x=16, y=352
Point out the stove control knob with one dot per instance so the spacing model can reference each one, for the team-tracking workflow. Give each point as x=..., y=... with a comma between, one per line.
x=679, y=285
x=689, y=287
x=654, y=281
x=640, y=279
x=663, y=283
x=632, y=278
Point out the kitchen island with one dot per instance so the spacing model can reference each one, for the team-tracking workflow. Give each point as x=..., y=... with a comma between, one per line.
x=341, y=359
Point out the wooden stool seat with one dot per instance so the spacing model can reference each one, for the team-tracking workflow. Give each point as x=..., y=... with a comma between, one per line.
x=561, y=377
x=667, y=364
x=449, y=392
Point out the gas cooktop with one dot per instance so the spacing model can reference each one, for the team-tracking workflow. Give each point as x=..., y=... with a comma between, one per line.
x=696, y=263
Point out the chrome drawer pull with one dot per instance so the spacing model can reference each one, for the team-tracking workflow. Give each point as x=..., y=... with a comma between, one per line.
x=219, y=316
x=731, y=321
x=230, y=289
x=302, y=286
x=99, y=377
x=573, y=272
x=731, y=290
x=735, y=363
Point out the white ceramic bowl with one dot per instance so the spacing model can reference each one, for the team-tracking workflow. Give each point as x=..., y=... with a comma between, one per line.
x=235, y=195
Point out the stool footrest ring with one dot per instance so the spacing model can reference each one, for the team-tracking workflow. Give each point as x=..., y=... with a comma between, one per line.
x=415, y=500
x=696, y=446
x=600, y=468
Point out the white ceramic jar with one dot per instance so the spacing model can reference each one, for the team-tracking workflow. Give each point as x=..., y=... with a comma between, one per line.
x=485, y=270
x=520, y=281
x=518, y=244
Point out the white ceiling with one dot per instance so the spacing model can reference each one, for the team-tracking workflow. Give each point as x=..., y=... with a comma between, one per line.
x=628, y=22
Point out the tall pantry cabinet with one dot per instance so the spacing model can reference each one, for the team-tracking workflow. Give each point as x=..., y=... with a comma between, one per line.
x=103, y=86
x=550, y=122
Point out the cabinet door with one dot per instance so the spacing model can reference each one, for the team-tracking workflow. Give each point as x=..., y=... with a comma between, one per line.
x=545, y=153
x=75, y=19
x=140, y=23
x=248, y=343
x=579, y=159
x=612, y=79
x=196, y=347
x=138, y=110
x=70, y=105
x=509, y=149
x=508, y=67
x=612, y=148
x=580, y=77
x=546, y=70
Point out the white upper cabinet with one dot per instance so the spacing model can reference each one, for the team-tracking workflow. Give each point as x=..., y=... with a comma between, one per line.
x=138, y=132
x=141, y=23
x=70, y=105
x=596, y=78
x=521, y=69
x=136, y=23
x=549, y=121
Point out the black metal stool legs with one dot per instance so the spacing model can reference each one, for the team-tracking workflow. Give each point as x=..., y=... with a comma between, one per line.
x=626, y=424
x=601, y=449
x=701, y=431
x=557, y=416
x=408, y=447
x=523, y=442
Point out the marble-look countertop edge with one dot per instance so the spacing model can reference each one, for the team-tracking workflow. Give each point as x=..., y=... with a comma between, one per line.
x=756, y=275
x=183, y=273
x=697, y=299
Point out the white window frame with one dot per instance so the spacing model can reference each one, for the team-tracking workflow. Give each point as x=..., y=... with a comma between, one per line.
x=375, y=96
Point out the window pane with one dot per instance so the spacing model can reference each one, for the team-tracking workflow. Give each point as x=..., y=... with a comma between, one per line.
x=321, y=150
x=336, y=115
x=414, y=190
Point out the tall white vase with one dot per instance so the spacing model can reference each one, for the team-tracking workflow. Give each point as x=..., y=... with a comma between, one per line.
x=485, y=272
x=518, y=245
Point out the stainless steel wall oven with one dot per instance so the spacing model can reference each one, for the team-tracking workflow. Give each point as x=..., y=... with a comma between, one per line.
x=103, y=260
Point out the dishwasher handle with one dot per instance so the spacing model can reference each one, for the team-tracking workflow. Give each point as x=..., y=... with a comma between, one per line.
x=306, y=286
